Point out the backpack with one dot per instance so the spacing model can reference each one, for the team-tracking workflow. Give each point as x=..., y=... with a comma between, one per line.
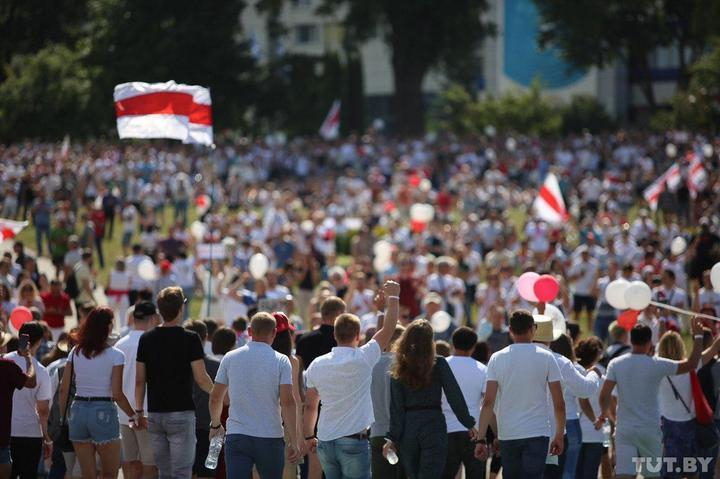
x=707, y=383
x=54, y=416
x=71, y=286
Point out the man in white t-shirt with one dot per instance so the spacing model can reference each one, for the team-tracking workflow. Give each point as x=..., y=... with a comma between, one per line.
x=670, y=294
x=518, y=379
x=137, y=283
x=584, y=273
x=342, y=379
x=138, y=458
x=471, y=376
x=29, y=437
x=637, y=377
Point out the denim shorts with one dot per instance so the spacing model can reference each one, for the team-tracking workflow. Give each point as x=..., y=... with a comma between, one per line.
x=94, y=421
x=5, y=457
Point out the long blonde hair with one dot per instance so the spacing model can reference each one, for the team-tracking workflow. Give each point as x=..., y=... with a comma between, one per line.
x=671, y=346
x=415, y=355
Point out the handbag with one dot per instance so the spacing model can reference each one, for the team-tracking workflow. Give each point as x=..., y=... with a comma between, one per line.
x=706, y=434
x=61, y=436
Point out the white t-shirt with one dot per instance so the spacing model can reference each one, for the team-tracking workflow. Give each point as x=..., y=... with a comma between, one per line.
x=589, y=433
x=471, y=375
x=93, y=376
x=587, y=272
x=25, y=420
x=671, y=407
x=342, y=378
x=523, y=372
x=184, y=270
x=129, y=346
x=575, y=384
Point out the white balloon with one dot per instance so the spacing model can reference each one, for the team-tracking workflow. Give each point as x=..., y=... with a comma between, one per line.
x=382, y=248
x=715, y=277
x=638, y=295
x=558, y=318
x=258, y=265
x=707, y=150
x=422, y=212
x=615, y=293
x=146, y=270
x=198, y=230
x=381, y=264
x=425, y=185
x=440, y=321
x=678, y=245
x=510, y=144
x=670, y=150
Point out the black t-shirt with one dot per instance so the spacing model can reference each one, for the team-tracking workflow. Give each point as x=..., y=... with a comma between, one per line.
x=11, y=378
x=201, y=398
x=316, y=343
x=167, y=353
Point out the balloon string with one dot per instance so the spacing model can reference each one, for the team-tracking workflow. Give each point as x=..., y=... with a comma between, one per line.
x=683, y=311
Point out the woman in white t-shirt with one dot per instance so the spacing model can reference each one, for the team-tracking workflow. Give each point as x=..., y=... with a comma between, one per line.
x=677, y=409
x=97, y=370
x=593, y=425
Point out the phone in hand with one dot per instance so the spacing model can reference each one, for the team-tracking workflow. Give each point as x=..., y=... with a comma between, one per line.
x=24, y=342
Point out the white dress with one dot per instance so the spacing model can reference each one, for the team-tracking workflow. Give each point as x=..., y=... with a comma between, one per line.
x=117, y=295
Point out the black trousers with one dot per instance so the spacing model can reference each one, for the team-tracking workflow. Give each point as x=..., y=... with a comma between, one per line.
x=423, y=446
x=378, y=464
x=26, y=452
x=461, y=450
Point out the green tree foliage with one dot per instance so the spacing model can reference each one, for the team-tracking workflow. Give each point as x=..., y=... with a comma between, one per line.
x=422, y=34
x=45, y=95
x=526, y=112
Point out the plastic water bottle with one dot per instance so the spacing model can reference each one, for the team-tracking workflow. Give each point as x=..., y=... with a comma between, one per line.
x=392, y=457
x=606, y=433
x=216, y=445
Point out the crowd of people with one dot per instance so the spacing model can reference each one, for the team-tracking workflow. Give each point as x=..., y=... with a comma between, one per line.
x=287, y=297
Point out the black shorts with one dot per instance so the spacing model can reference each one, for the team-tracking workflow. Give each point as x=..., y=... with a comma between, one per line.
x=581, y=302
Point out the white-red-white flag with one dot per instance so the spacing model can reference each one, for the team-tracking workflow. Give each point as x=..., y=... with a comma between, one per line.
x=671, y=178
x=10, y=228
x=330, y=128
x=697, y=176
x=549, y=205
x=164, y=110
x=65, y=148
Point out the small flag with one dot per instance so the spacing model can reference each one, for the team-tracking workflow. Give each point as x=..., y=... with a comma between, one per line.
x=549, y=205
x=330, y=129
x=65, y=148
x=697, y=176
x=10, y=228
x=164, y=110
x=671, y=178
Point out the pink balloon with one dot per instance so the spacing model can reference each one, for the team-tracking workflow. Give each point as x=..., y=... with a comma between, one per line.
x=526, y=285
x=546, y=288
x=19, y=316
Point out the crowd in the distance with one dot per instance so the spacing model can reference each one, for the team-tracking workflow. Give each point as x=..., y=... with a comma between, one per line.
x=285, y=268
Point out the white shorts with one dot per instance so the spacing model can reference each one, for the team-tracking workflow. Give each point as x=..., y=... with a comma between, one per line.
x=645, y=443
x=136, y=445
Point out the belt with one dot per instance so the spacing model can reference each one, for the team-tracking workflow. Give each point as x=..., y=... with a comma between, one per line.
x=422, y=408
x=361, y=436
x=81, y=398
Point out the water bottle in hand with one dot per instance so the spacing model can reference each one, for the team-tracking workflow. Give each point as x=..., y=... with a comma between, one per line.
x=216, y=445
x=392, y=457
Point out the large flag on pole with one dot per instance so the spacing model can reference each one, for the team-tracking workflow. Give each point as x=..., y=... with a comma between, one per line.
x=671, y=178
x=549, y=205
x=697, y=176
x=330, y=128
x=10, y=228
x=164, y=110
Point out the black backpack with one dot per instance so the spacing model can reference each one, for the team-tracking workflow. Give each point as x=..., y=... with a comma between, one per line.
x=54, y=425
x=707, y=383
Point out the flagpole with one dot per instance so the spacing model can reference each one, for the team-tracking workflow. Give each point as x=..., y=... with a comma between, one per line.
x=211, y=148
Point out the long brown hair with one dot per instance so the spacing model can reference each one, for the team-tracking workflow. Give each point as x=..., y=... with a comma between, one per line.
x=415, y=355
x=93, y=335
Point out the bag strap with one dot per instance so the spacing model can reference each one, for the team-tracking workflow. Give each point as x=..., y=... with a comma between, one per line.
x=677, y=395
x=72, y=383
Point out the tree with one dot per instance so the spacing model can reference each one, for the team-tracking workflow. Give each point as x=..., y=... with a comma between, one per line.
x=422, y=34
x=45, y=95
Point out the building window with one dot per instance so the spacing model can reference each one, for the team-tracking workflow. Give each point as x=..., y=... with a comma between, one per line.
x=305, y=34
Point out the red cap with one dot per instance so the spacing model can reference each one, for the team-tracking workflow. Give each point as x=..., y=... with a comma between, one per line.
x=165, y=265
x=282, y=322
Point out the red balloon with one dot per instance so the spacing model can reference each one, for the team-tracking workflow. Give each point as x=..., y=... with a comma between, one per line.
x=546, y=288
x=417, y=226
x=19, y=316
x=628, y=319
x=414, y=180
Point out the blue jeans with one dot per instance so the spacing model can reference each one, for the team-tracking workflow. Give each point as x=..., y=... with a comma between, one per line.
x=524, y=458
x=93, y=421
x=712, y=452
x=573, y=442
x=40, y=231
x=267, y=454
x=589, y=460
x=172, y=435
x=345, y=458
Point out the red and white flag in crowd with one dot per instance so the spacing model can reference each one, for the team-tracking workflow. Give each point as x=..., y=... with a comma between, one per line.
x=330, y=128
x=10, y=228
x=671, y=178
x=65, y=148
x=549, y=205
x=697, y=176
x=164, y=110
